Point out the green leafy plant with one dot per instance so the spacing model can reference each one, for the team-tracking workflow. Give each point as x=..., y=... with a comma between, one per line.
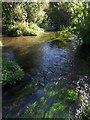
x=84, y=30
x=23, y=28
x=11, y=72
x=64, y=34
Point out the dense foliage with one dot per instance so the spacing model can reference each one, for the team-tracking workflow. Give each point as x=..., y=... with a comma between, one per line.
x=20, y=11
x=85, y=114
x=23, y=28
x=11, y=72
x=84, y=30
x=26, y=18
x=59, y=15
x=23, y=18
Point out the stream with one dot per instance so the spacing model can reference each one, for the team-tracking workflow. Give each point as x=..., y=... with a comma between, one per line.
x=63, y=72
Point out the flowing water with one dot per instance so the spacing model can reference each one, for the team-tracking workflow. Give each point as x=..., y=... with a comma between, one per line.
x=63, y=72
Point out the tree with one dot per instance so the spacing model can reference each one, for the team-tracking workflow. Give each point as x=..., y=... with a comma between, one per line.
x=58, y=14
x=13, y=12
x=35, y=11
x=84, y=30
x=80, y=19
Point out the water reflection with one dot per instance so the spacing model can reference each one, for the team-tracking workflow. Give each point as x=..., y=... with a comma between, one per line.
x=27, y=51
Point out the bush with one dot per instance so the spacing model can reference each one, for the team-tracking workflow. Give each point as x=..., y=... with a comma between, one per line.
x=84, y=30
x=11, y=72
x=58, y=14
x=23, y=28
x=64, y=33
x=34, y=29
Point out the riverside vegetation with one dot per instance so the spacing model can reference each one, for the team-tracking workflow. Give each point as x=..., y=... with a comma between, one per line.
x=32, y=19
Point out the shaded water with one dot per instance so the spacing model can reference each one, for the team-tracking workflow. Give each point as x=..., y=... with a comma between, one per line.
x=64, y=75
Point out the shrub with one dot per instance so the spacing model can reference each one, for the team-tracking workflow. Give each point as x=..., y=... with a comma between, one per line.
x=11, y=72
x=23, y=28
x=34, y=29
x=84, y=30
x=11, y=31
x=64, y=33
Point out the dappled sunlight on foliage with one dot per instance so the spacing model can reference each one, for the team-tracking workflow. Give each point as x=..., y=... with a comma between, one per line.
x=23, y=28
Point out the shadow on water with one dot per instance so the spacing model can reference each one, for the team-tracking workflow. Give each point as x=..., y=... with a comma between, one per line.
x=63, y=75
x=82, y=60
